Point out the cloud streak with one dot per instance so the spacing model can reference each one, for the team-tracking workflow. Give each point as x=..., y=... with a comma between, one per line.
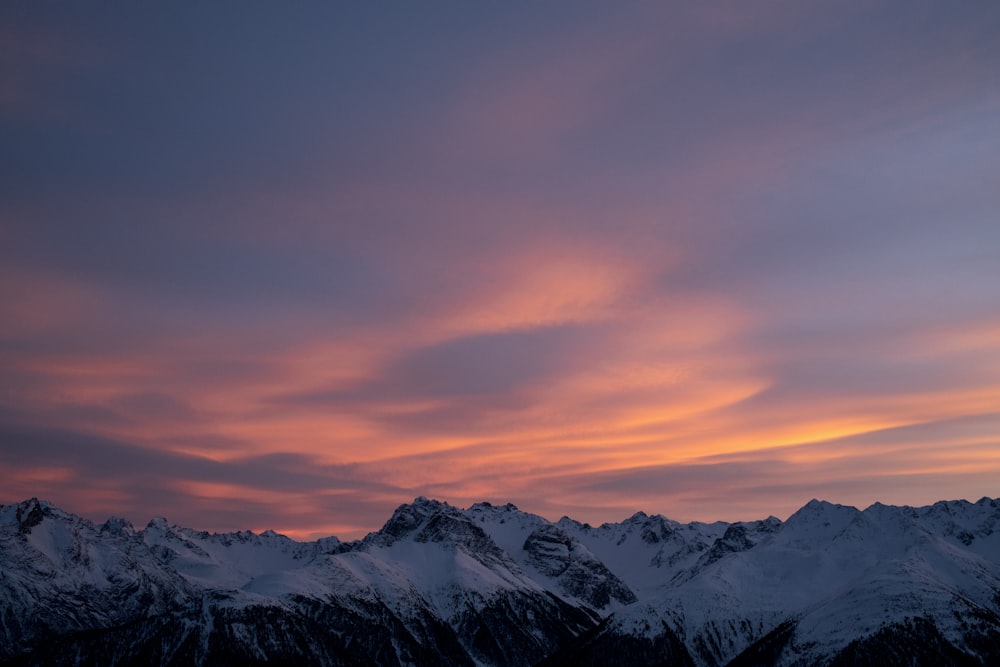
x=664, y=258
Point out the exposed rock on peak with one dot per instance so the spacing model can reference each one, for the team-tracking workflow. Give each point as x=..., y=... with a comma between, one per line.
x=408, y=517
x=30, y=513
x=492, y=585
x=118, y=526
x=578, y=572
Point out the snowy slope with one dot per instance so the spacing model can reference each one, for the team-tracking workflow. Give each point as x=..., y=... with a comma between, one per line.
x=831, y=575
x=61, y=574
x=555, y=557
x=492, y=585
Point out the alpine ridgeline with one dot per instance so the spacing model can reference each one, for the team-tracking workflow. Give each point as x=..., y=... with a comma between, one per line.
x=491, y=585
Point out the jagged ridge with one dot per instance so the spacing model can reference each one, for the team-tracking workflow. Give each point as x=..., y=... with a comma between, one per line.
x=492, y=585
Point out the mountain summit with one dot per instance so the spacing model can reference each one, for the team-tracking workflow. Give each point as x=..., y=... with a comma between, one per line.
x=492, y=585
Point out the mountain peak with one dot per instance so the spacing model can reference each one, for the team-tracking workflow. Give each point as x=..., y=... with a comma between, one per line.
x=815, y=505
x=443, y=585
x=819, y=520
x=31, y=512
x=408, y=517
x=488, y=506
x=118, y=526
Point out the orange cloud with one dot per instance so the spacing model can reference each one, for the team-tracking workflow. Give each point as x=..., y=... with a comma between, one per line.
x=614, y=268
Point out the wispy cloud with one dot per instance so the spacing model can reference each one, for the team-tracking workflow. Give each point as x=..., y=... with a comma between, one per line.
x=699, y=260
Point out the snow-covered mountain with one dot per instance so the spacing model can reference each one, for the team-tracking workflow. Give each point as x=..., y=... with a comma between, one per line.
x=492, y=585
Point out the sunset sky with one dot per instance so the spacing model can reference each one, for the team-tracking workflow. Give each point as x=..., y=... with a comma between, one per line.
x=289, y=265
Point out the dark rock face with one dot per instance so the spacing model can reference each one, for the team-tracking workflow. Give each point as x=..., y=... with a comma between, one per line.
x=579, y=573
x=29, y=515
x=739, y=537
x=656, y=530
x=549, y=549
x=404, y=520
x=128, y=605
x=457, y=529
x=435, y=587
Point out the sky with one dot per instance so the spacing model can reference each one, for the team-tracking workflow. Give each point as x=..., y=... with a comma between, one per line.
x=287, y=266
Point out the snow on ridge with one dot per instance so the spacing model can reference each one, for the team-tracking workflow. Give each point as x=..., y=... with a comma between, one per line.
x=831, y=571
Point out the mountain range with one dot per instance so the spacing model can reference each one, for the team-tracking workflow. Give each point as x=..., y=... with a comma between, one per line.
x=493, y=585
